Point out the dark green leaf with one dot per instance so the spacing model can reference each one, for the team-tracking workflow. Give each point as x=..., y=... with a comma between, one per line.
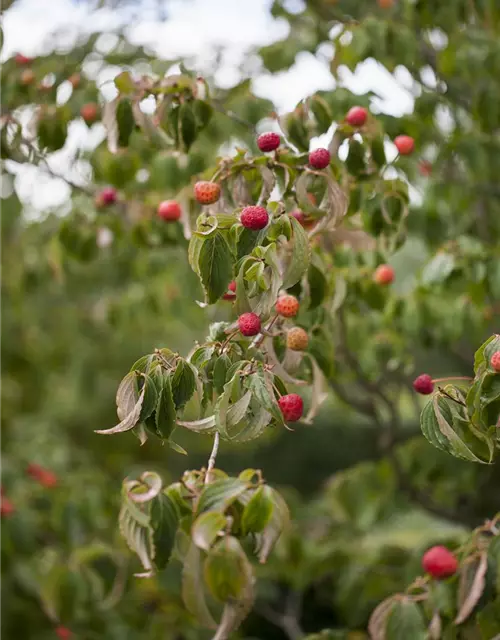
x=165, y=518
x=301, y=253
x=183, y=383
x=258, y=511
x=165, y=411
x=225, y=570
x=405, y=620
x=215, y=264
x=125, y=121
x=187, y=125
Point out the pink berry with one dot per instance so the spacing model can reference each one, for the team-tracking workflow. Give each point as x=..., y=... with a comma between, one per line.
x=356, y=116
x=169, y=210
x=63, y=633
x=439, y=562
x=249, y=324
x=384, y=274
x=268, y=142
x=292, y=407
x=423, y=384
x=230, y=294
x=495, y=361
x=404, y=144
x=287, y=306
x=254, y=218
x=108, y=196
x=319, y=158
x=206, y=192
x=6, y=507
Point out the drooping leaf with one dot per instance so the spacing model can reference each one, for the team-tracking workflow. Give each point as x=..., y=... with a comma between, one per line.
x=128, y=421
x=279, y=521
x=225, y=570
x=300, y=255
x=405, y=620
x=165, y=518
x=165, y=414
x=215, y=266
x=260, y=384
x=193, y=593
x=183, y=383
x=471, y=585
x=258, y=511
x=206, y=527
x=218, y=495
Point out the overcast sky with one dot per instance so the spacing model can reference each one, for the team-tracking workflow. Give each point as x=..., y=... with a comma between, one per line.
x=192, y=28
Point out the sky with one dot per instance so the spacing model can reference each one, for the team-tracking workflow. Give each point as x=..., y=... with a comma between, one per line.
x=196, y=29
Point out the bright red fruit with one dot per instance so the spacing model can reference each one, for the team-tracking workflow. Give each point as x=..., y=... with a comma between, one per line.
x=169, y=210
x=107, y=196
x=21, y=60
x=206, y=192
x=319, y=158
x=254, y=218
x=423, y=384
x=495, y=361
x=63, y=633
x=230, y=294
x=268, y=142
x=439, y=562
x=356, y=116
x=292, y=407
x=404, y=144
x=384, y=274
x=287, y=306
x=249, y=324
x=6, y=507
x=90, y=112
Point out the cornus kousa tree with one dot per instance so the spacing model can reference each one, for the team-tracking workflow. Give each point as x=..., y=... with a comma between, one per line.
x=336, y=266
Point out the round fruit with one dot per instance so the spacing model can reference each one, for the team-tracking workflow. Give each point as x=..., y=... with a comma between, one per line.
x=249, y=324
x=268, y=142
x=356, y=116
x=90, y=112
x=292, y=407
x=108, y=196
x=384, y=274
x=63, y=633
x=439, y=562
x=254, y=218
x=495, y=361
x=21, y=60
x=423, y=384
x=287, y=306
x=231, y=291
x=404, y=144
x=206, y=192
x=169, y=210
x=6, y=507
x=297, y=339
x=319, y=158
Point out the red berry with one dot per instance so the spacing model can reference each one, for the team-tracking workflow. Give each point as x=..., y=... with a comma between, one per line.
x=6, y=507
x=356, y=116
x=21, y=60
x=404, y=144
x=439, y=562
x=319, y=158
x=230, y=295
x=423, y=384
x=495, y=361
x=425, y=168
x=206, y=192
x=254, y=218
x=302, y=219
x=169, y=210
x=63, y=633
x=292, y=407
x=107, y=196
x=384, y=274
x=268, y=141
x=90, y=112
x=45, y=477
x=287, y=306
x=249, y=324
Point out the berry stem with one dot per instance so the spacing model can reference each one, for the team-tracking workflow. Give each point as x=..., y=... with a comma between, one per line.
x=435, y=380
x=213, y=456
x=263, y=333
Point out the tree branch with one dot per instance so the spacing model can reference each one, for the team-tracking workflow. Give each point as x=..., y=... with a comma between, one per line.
x=213, y=456
x=289, y=620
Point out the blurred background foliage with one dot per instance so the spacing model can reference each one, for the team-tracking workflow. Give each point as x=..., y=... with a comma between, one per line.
x=78, y=310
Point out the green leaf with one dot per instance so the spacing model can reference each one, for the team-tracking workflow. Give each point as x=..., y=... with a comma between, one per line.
x=247, y=241
x=193, y=593
x=150, y=397
x=124, y=83
x=183, y=383
x=187, y=125
x=165, y=415
x=406, y=621
x=317, y=286
x=215, y=264
x=225, y=570
x=279, y=521
x=221, y=366
x=258, y=511
x=218, y=495
x=206, y=527
x=260, y=384
x=355, y=161
x=378, y=152
x=165, y=518
x=203, y=112
x=301, y=253
x=125, y=121
x=130, y=420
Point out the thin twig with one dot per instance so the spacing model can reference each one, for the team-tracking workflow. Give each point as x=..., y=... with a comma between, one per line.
x=213, y=456
x=289, y=620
